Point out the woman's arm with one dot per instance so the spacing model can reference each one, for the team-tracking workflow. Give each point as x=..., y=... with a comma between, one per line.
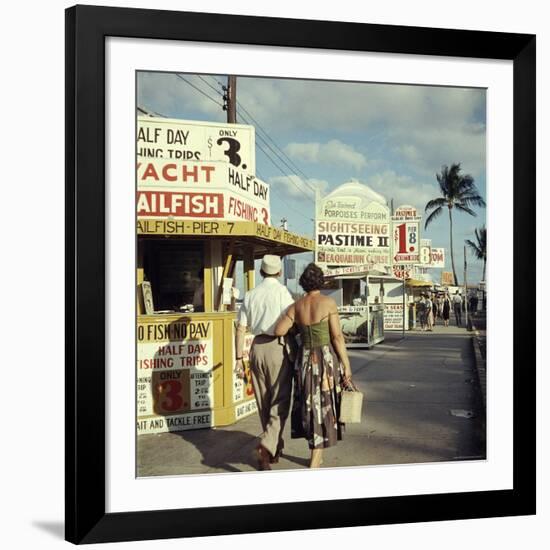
x=285, y=322
x=337, y=339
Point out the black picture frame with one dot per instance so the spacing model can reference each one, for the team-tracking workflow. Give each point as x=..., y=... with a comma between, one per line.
x=86, y=30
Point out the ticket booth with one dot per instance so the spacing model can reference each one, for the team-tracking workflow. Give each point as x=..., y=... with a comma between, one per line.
x=361, y=315
x=187, y=304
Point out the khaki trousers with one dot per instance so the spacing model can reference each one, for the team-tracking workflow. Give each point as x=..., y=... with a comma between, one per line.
x=272, y=381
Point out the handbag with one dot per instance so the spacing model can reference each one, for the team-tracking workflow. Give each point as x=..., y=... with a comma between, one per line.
x=351, y=404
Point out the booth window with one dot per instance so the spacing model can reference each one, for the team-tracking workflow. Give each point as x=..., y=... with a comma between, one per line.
x=175, y=271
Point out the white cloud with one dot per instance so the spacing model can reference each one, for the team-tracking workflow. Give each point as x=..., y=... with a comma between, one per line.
x=346, y=106
x=427, y=150
x=333, y=152
x=295, y=187
x=403, y=189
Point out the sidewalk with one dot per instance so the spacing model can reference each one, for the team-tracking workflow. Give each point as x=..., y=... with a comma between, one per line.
x=411, y=386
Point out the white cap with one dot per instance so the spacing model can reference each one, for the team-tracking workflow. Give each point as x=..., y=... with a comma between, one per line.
x=271, y=264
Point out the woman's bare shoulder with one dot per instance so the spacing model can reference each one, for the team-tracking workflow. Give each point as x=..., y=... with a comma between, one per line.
x=327, y=302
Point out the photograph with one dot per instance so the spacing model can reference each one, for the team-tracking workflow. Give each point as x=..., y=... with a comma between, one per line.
x=311, y=273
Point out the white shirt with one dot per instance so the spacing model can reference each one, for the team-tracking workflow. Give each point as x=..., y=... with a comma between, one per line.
x=263, y=306
x=457, y=299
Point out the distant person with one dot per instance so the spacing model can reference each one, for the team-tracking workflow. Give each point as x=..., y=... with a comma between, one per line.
x=446, y=310
x=434, y=308
x=440, y=307
x=475, y=301
x=269, y=362
x=457, y=306
x=322, y=367
x=421, y=310
x=429, y=314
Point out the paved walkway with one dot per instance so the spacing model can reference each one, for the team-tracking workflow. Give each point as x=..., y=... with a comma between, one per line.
x=411, y=387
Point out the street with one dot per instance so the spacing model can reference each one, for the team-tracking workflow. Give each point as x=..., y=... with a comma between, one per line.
x=422, y=404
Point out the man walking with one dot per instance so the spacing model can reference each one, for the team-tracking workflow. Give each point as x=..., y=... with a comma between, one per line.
x=457, y=306
x=269, y=365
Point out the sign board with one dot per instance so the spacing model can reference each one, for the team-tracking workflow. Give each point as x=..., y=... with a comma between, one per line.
x=393, y=316
x=160, y=226
x=352, y=227
x=192, y=140
x=402, y=271
x=447, y=278
x=174, y=376
x=406, y=213
x=189, y=189
x=425, y=251
x=438, y=258
x=242, y=388
x=405, y=235
x=347, y=270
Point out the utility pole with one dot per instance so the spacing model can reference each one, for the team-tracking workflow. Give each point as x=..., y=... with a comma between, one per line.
x=231, y=99
x=284, y=226
x=468, y=321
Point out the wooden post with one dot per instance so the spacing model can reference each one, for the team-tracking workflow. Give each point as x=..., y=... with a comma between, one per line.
x=249, y=272
x=227, y=269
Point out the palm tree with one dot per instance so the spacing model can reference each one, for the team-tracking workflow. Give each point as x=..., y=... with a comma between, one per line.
x=479, y=249
x=457, y=191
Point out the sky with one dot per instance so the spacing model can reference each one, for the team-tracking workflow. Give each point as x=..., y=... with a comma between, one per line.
x=392, y=137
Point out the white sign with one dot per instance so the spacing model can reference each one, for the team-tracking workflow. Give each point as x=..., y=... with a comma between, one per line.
x=189, y=189
x=425, y=251
x=352, y=309
x=405, y=243
x=406, y=235
x=168, y=174
x=402, y=271
x=393, y=316
x=196, y=141
x=242, y=388
x=174, y=375
x=245, y=409
x=352, y=227
x=175, y=423
x=406, y=213
x=438, y=258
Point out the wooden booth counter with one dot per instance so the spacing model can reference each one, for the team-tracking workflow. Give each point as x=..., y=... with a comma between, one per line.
x=187, y=306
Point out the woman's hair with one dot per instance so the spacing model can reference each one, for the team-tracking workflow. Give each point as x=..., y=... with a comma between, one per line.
x=312, y=278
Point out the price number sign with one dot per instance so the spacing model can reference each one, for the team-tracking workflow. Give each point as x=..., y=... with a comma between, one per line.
x=405, y=239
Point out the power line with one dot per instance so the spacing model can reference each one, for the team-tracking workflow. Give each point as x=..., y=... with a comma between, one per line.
x=209, y=85
x=278, y=166
x=281, y=197
x=283, y=172
x=259, y=126
x=199, y=90
x=149, y=112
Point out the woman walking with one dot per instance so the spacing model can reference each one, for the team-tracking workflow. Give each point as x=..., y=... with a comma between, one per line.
x=430, y=314
x=422, y=312
x=322, y=366
x=446, y=310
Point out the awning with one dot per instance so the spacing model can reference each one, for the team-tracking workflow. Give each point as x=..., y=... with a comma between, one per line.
x=264, y=238
x=417, y=283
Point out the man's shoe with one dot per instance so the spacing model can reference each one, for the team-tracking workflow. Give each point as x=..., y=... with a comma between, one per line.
x=275, y=459
x=264, y=458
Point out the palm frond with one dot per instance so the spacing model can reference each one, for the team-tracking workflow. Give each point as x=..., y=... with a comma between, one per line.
x=436, y=213
x=474, y=199
x=435, y=203
x=463, y=208
x=478, y=253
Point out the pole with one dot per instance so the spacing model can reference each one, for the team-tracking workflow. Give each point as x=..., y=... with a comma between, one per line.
x=232, y=99
x=468, y=323
x=284, y=225
x=404, y=301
